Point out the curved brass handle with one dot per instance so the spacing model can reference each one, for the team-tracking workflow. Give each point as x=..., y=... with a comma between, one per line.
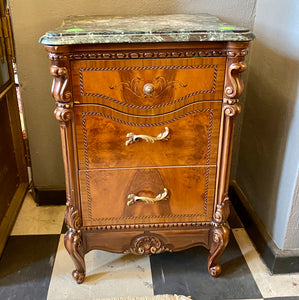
x=133, y=138
x=133, y=198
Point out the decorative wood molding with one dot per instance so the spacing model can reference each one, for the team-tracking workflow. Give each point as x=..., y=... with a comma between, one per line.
x=73, y=244
x=61, y=90
x=146, y=226
x=222, y=211
x=72, y=217
x=144, y=53
x=146, y=245
x=218, y=241
x=63, y=112
x=234, y=84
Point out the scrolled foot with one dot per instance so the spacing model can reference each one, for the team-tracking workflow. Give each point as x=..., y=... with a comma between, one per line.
x=79, y=277
x=215, y=271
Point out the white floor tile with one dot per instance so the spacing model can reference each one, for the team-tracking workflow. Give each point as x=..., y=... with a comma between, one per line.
x=108, y=275
x=281, y=285
x=34, y=219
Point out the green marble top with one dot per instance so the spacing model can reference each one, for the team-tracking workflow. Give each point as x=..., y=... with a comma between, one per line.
x=144, y=29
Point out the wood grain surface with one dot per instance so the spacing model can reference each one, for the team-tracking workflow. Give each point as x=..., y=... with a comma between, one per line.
x=193, y=138
x=104, y=195
x=176, y=82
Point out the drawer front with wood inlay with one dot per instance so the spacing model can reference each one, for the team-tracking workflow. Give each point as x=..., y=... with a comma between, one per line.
x=152, y=195
x=109, y=139
x=149, y=84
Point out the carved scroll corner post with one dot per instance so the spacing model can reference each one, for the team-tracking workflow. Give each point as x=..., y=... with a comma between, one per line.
x=218, y=241
x=234, y=85
x=61, y=91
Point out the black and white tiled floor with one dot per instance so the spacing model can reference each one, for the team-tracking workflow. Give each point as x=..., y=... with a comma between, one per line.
x=35, y=265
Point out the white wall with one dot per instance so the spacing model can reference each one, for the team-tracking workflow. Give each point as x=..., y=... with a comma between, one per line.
x=269, y=147
x=33, y=18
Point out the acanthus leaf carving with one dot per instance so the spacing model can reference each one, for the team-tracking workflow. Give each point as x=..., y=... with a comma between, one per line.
x=60, y=87
x=146, y=245
x=72, y=217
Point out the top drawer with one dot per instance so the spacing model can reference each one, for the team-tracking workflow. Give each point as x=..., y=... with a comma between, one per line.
x=147, y=84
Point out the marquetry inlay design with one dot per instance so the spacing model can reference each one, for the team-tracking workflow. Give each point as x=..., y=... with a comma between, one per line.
x=84, y=115
x=163, y=84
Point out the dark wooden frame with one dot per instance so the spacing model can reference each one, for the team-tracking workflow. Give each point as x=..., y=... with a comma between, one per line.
x=8, y=94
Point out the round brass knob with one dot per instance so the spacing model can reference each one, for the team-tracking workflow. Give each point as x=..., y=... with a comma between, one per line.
x=148, y=88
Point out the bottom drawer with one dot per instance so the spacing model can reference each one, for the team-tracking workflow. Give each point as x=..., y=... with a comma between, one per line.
x=120, y=196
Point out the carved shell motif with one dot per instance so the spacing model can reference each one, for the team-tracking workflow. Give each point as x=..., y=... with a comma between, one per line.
x=146, y=245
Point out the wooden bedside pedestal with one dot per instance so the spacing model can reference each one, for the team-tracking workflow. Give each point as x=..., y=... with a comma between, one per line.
x=146, y=120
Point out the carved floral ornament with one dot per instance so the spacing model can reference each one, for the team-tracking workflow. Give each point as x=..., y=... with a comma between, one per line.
x=146, y=245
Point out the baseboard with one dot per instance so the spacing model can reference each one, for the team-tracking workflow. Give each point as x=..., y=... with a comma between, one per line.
x=49, y=195
x=278, y=261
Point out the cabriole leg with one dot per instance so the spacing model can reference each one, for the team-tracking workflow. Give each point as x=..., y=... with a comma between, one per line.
x=218, y=242
x=73, y=244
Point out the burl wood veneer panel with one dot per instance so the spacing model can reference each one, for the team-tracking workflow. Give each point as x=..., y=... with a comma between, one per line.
x=176, y=82
x=104, y=195
x=102, y=134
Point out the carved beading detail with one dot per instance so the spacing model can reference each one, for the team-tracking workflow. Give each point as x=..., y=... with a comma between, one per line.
x=146, y=245
x=148, y=54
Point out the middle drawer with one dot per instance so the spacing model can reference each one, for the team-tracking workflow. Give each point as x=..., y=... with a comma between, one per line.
x=107, y=138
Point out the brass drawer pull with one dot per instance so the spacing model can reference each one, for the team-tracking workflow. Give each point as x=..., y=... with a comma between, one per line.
x=133, y=138
x=133, y=198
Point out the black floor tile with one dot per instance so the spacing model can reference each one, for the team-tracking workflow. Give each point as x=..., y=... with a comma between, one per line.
x=186, y=273
x=64, y=228
x=26, y=266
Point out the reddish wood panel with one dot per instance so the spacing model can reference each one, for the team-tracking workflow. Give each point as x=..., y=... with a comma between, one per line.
x=174, y=82
x=104, y=195
x=192, y=140
x=174, y=240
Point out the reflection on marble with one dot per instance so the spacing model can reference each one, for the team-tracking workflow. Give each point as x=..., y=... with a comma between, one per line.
x=108, y=275
x=144, y=29
x=280, y=285
x=34, y=219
